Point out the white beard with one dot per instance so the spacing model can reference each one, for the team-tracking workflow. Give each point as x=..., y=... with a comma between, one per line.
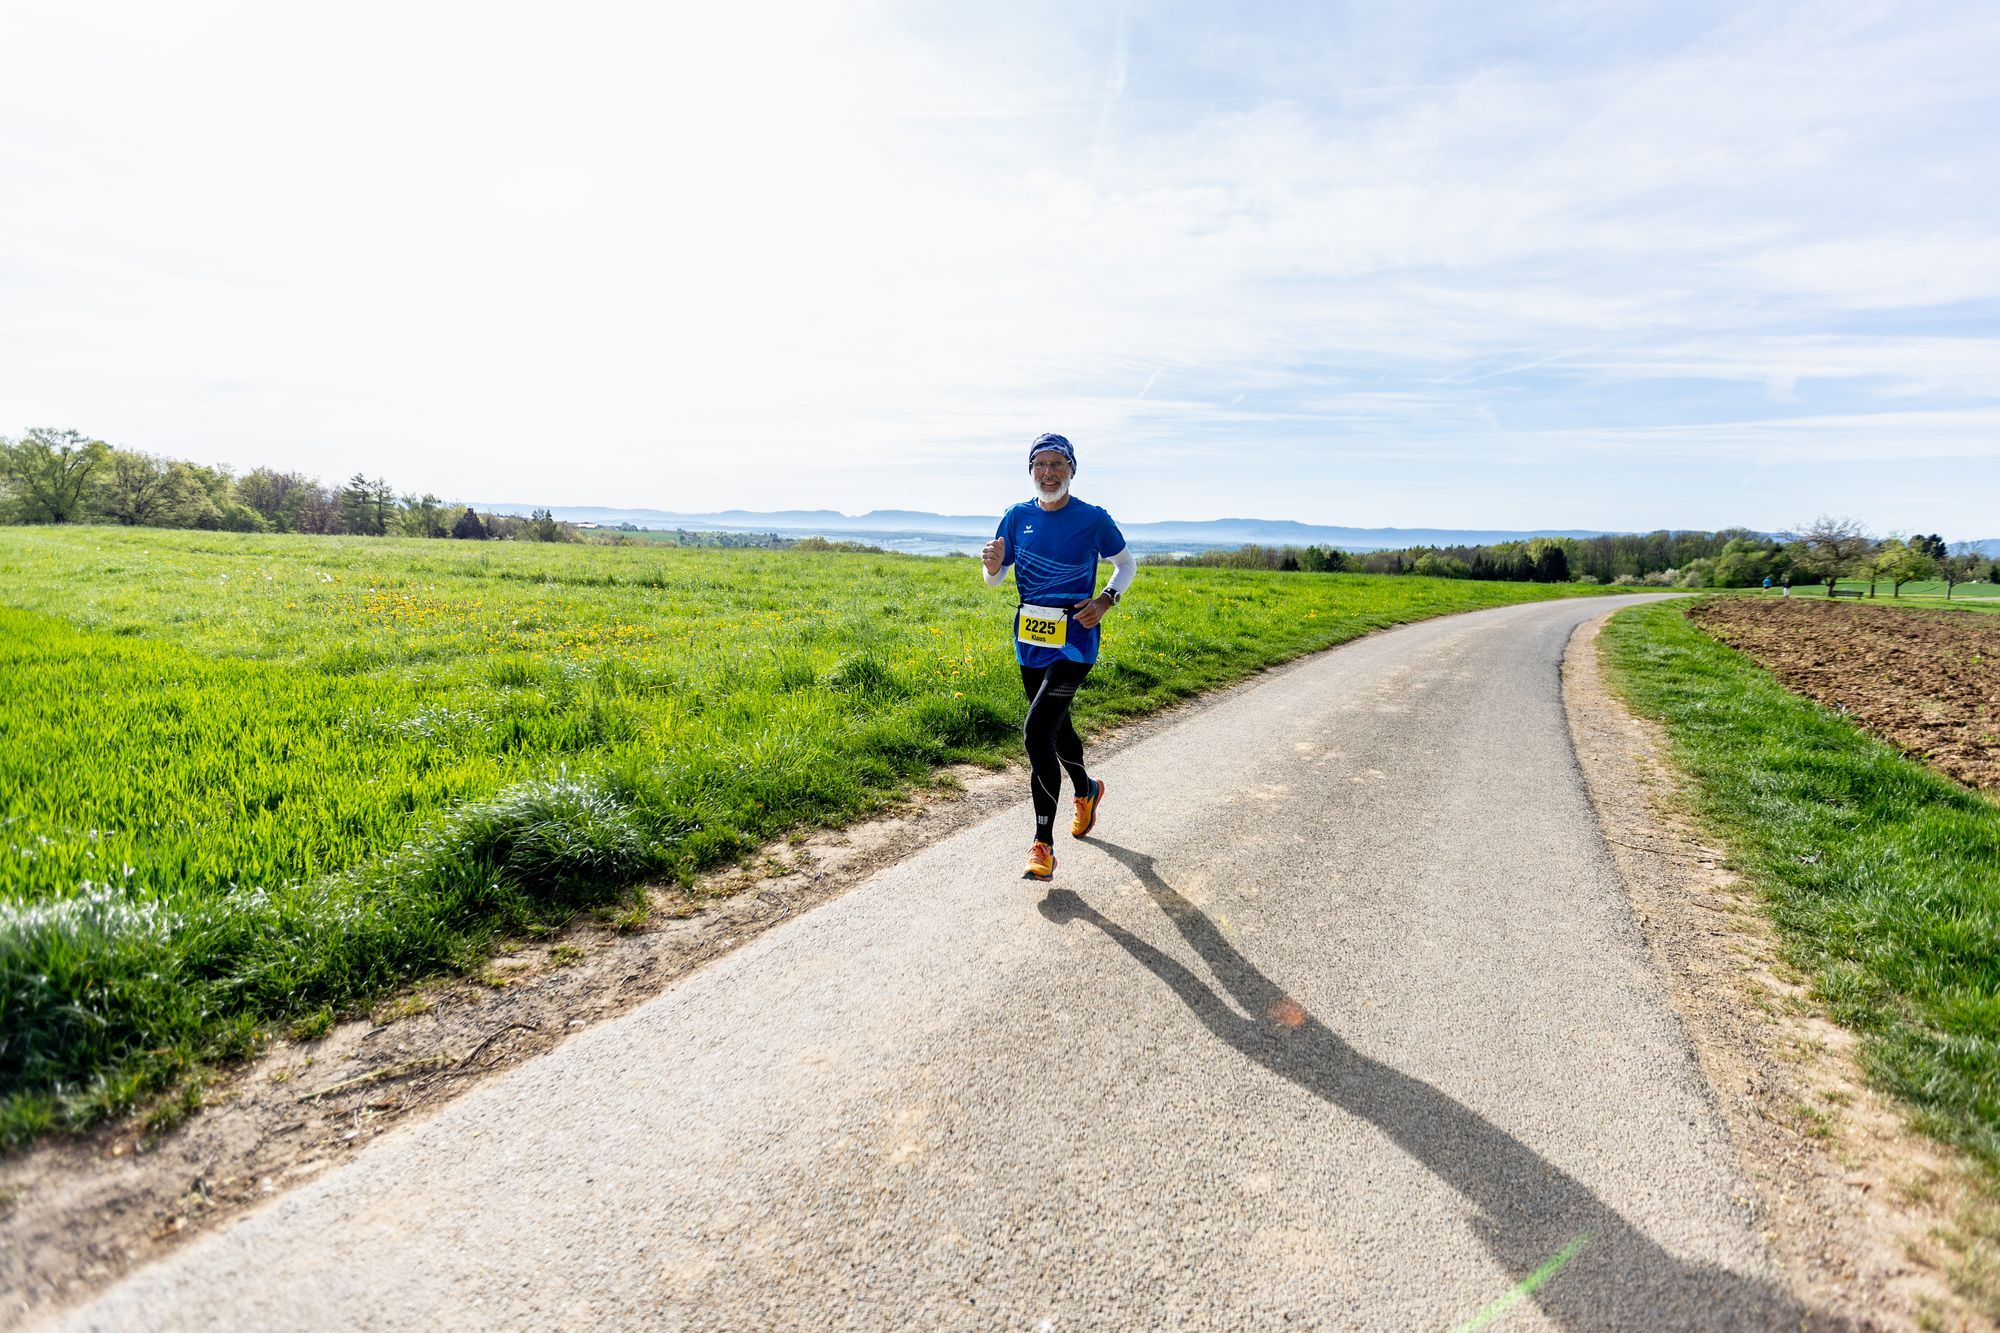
x=1053, y=495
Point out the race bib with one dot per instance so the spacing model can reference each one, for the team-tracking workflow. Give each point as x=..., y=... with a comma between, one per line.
x=1046, y=626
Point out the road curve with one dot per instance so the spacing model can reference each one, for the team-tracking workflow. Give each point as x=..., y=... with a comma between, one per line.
x=1340, y=1019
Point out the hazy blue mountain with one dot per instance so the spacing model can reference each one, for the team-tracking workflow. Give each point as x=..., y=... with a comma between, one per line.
x=1285, y=532
x=1209, y=532
x=743, y=520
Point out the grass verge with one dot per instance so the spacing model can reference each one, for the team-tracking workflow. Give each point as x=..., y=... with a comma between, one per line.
x=1883, y=878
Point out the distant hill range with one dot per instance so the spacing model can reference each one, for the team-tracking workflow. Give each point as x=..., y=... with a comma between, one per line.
x=1208, y=533
x=907, y=523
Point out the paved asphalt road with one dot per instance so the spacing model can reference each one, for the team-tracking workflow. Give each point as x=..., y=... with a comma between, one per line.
x=1340, y=1019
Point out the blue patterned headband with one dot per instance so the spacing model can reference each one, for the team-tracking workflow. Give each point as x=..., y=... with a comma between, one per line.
x=1044, y=443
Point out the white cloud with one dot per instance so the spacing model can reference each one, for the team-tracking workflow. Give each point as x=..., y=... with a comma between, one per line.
x=743, y=256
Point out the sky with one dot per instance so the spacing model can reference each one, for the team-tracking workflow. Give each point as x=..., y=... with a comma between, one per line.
x=1543, y=265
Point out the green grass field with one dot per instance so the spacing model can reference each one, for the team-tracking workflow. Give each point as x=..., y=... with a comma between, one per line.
x=245, y=779
x=1969, y=596
x=1883, y=877
x=1972, y=592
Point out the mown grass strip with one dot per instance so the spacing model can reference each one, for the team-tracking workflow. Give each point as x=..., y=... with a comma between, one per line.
x=256, y=779
x=1883, y=878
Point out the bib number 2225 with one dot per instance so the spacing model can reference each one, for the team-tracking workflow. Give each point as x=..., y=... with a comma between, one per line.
x=1047, y=626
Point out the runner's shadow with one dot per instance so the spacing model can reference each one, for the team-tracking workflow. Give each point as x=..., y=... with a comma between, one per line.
x=1530, y=1213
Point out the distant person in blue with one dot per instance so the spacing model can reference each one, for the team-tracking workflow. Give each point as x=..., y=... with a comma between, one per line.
x=1054, y=543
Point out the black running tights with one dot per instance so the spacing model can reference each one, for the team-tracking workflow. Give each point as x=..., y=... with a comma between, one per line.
x=1054, y=748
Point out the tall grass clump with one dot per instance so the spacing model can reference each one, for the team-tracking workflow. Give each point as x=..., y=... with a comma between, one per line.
x=246, y=779
x=1882, y=876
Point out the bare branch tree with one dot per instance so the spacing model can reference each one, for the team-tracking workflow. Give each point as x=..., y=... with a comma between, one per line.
x=1829, y=548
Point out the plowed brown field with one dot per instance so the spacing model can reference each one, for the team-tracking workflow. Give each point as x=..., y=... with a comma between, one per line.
x=1928, y=682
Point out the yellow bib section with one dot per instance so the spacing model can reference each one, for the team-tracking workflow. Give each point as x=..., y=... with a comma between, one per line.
x=1045, y=626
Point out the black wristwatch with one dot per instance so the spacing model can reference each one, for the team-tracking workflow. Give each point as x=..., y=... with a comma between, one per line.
x=1112, y=593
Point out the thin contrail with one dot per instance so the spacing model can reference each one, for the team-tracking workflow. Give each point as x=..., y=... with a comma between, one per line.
x=1102, y=104
x=1454, y=377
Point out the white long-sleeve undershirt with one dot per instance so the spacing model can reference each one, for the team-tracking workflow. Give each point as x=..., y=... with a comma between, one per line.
x=1123, y=570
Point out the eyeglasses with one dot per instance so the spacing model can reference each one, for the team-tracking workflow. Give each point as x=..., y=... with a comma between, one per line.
x=1049, y=465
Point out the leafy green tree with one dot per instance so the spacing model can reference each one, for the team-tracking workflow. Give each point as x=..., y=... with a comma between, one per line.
x=142, y=490
x=1439, y=566
x=1700, y=573
x=468, y=527
x=276, y=496
x=421, y=516
x=506, y=527
x=542, y=526
x=49, y=474
x=1551, y=560
x=212, y=502
x=1745, y=562
x=1900, y=562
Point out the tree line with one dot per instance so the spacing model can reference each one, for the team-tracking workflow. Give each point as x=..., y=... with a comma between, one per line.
x=1831, y=549
x=1825, y=551
x=62, y=476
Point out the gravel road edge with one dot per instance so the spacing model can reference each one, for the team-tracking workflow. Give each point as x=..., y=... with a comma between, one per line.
x=1850, y=1200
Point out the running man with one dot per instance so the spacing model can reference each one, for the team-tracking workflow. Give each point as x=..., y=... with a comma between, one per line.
x=1054, y=542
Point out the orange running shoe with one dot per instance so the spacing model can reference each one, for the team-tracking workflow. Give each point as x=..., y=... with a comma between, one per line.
x=1041, y=862
x=1086, y=809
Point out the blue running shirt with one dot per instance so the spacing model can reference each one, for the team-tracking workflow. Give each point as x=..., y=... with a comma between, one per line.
x=1055, y=555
